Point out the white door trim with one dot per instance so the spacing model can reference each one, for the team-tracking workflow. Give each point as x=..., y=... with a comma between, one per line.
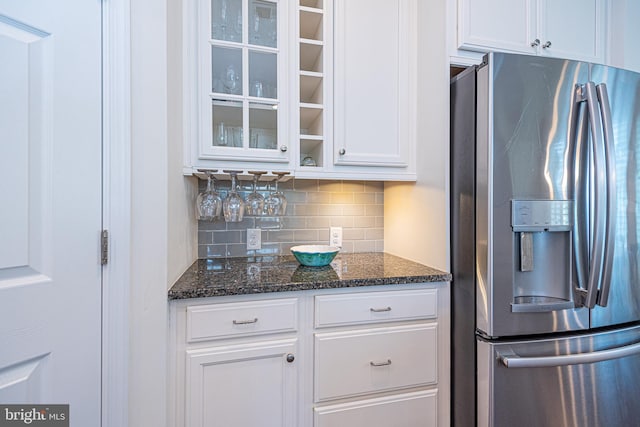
x=116, y=210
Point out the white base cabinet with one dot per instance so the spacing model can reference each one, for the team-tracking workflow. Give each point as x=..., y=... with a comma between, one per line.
x=260, y=387
x=370, y=356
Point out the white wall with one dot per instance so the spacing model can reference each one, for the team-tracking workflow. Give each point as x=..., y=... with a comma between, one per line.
x=149, y=222
x=416, y=214
x=182, y=191
x=163, y=226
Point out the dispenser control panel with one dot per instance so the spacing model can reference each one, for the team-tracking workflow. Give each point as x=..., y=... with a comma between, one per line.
x=541, y=215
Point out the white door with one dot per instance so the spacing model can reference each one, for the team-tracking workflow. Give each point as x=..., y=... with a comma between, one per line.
x=50, y=205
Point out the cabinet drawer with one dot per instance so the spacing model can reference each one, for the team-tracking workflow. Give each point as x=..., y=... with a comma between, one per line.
x=372, y=307
x=416, y=409
x=205, y=322
x=370, y=360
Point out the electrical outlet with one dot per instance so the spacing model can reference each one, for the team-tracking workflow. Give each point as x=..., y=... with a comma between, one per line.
x=254, y=238
x=335, y=236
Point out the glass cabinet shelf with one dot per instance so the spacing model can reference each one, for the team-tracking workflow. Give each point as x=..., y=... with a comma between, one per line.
x=259, y=106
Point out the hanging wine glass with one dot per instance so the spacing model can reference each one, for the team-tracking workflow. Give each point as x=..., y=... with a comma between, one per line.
x=283, y=200
x=255, y=200
x=270, y=203
x=209, y=202
x=233, y=205
x=276, y=203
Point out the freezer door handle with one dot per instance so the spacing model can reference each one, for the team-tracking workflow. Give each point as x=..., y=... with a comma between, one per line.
x=596, y=262
x=610, y=214
x=514, y=361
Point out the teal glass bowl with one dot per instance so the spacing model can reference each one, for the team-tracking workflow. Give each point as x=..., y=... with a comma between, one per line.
x=314, y=255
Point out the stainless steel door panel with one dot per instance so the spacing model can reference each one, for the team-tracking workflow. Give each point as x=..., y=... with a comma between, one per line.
x=624, y=295
x=524, y=155
x=463, y=132
x=598, y=394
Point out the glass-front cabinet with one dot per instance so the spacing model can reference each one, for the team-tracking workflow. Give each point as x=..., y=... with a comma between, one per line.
x=241, y=68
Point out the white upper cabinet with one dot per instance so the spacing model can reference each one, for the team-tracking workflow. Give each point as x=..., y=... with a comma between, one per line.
x=321, y=89
x=374, y=84
x=624, y=33
x=573, y=29
x=236, y=77
x=496, y=24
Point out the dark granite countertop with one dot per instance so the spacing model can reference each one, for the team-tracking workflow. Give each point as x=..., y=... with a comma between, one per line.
x=255, y=275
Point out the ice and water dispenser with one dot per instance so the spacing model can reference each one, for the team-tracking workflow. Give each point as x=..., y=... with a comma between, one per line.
x=542, y=265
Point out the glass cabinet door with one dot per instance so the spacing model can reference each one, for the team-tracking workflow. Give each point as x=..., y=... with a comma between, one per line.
x=239, y=81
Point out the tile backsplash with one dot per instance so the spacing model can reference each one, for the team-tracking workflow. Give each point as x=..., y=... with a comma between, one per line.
x=313, y=206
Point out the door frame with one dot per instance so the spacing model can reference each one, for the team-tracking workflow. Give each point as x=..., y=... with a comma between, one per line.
x=116, y=193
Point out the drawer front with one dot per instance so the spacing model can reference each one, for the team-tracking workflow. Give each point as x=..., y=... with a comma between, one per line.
x=417, y=409
x=372, y=307
x=215, y=321
x=370, y=360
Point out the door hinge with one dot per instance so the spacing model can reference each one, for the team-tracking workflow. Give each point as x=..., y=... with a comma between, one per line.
x=104, y=244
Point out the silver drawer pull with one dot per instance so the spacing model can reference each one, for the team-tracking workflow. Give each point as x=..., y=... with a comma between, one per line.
x=380, y=310
x=387, y=363
x=245, y=322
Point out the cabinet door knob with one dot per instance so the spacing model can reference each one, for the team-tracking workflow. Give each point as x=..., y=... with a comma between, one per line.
x=283, y=148
x=290, y=358
x=546, y=45
x=535, y=43
x=342, y=151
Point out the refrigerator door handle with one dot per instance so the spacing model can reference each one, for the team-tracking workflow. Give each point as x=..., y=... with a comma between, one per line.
x=599, y=219
x=609, y=245
x=578, y=138
x=515, y=361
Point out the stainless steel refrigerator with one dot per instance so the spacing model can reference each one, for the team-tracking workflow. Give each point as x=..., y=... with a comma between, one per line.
x=545, y=203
